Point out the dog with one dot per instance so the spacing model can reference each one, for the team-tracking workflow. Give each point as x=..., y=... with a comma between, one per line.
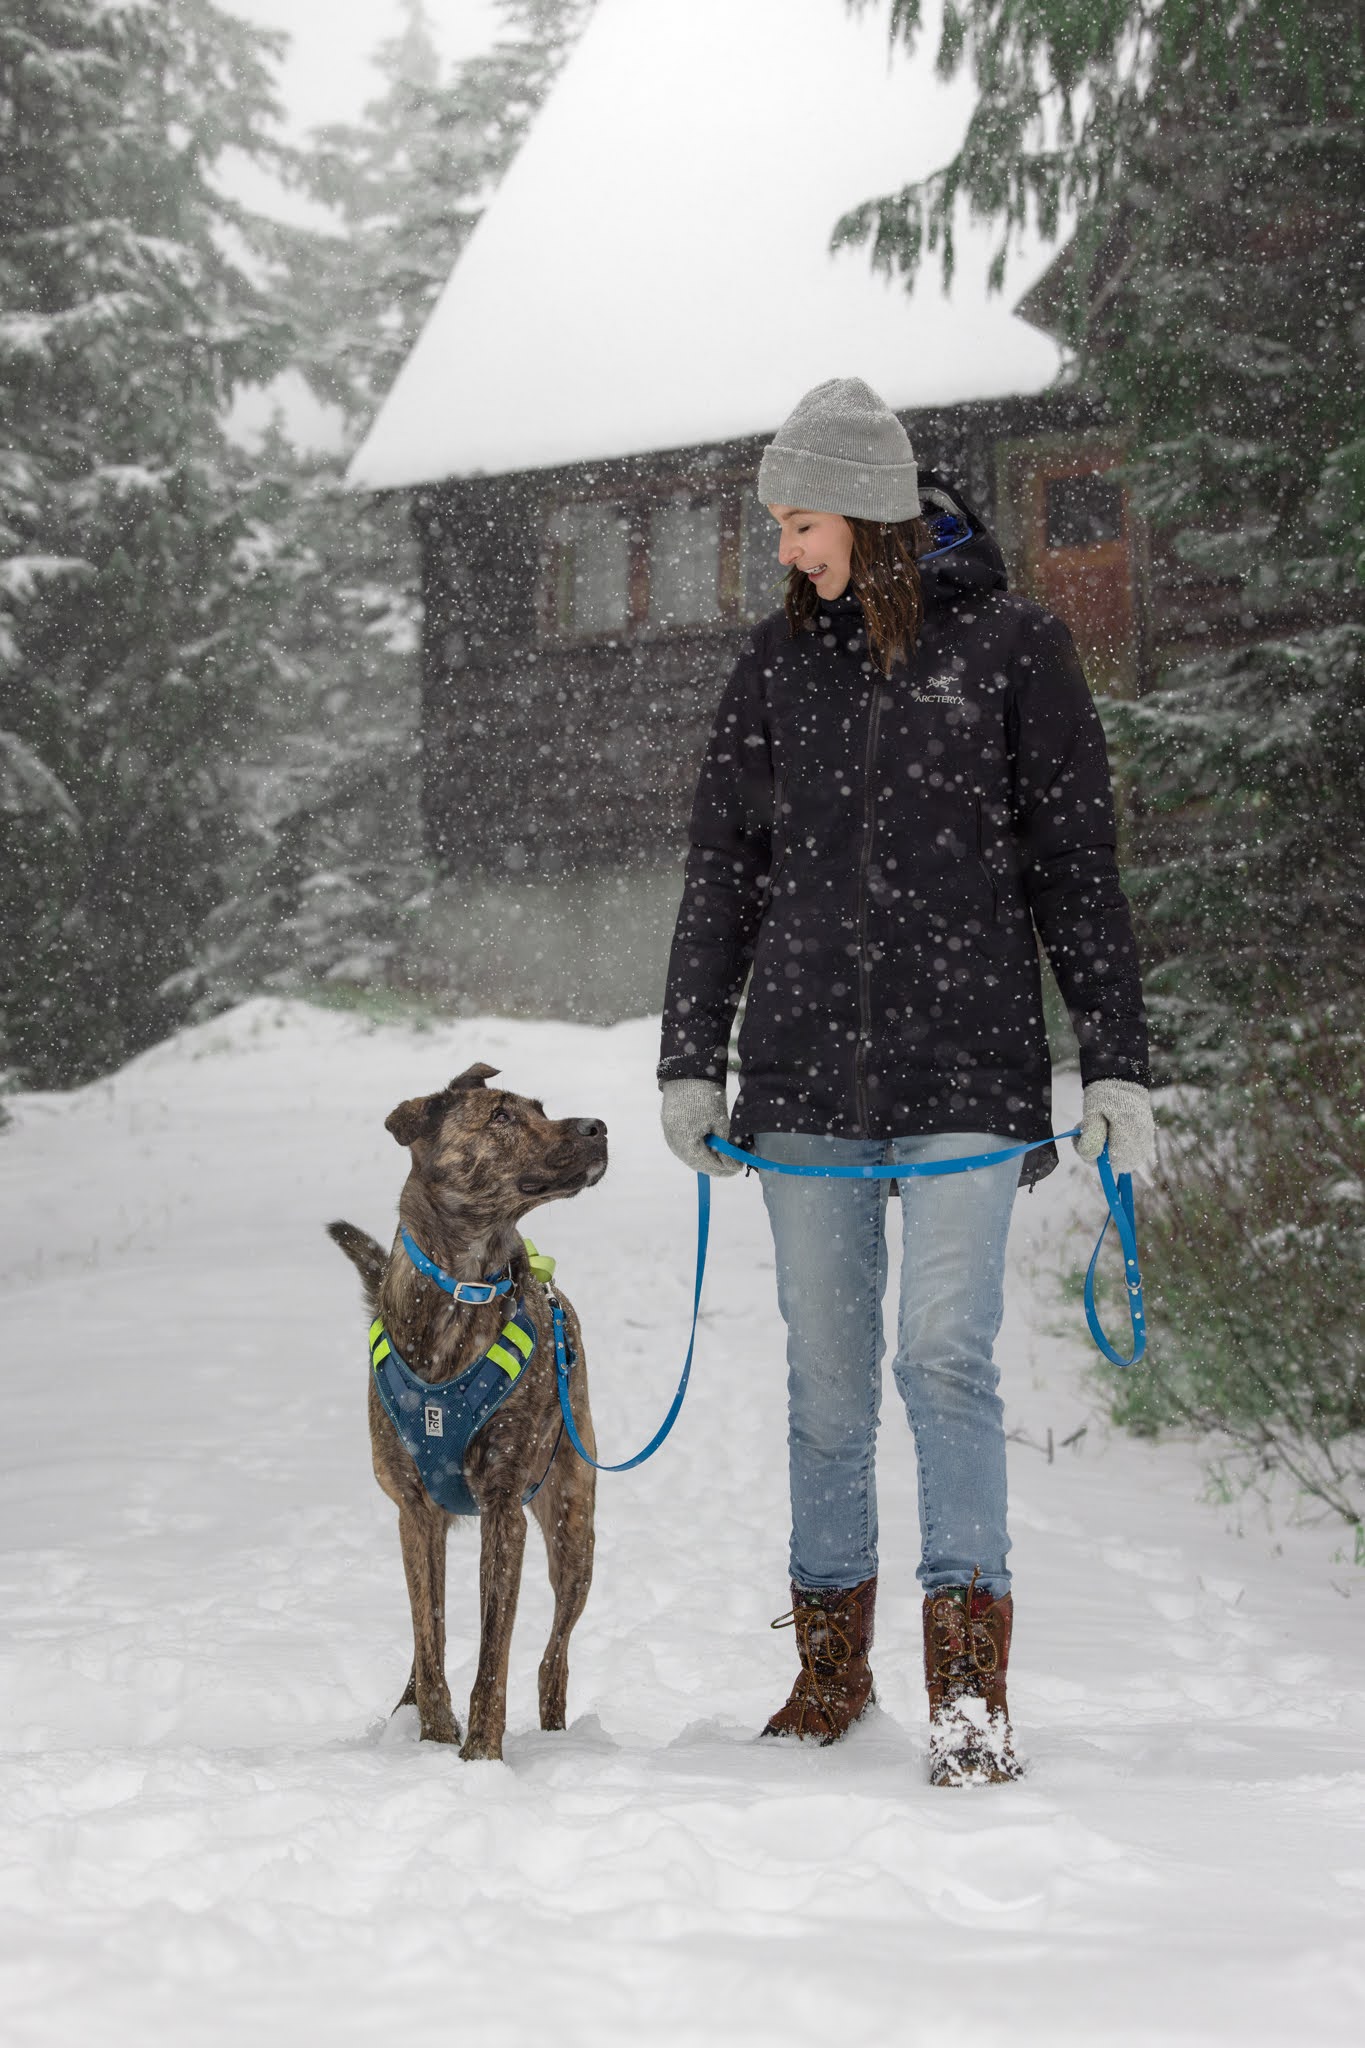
x=480, y=1160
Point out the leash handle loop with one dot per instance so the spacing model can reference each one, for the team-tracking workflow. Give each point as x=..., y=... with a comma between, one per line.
x=1118, y=1193
x=562, y=1354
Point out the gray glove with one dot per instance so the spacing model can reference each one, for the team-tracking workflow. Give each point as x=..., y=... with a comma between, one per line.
x=693, y=1111
x=1120, y=1111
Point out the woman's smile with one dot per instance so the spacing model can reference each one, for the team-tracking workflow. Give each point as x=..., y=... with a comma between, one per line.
x=800, y=531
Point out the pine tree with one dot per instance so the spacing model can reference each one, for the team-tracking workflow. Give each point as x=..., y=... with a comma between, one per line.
x=136, y=576
x=408, y=184
x=1215, y=158
x=1234, y=353
x=334, y=879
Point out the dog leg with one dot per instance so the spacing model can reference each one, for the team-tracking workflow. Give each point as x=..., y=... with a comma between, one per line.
x=564, y=1510
x=422, y=1534
x=502, y=1548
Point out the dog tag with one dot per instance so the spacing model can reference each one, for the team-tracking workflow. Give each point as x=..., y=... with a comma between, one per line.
x=435, y=1416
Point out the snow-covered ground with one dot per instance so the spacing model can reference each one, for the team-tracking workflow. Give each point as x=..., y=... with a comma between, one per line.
x=210, y=1832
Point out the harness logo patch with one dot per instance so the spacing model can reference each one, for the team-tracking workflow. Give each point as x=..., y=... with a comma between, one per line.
x=435, y=1419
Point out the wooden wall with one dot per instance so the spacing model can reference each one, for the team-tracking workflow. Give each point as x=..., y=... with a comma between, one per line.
x=546, y=756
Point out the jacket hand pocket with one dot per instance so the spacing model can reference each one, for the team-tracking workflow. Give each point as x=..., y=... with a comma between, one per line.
x=780, y=840
x=983, y=860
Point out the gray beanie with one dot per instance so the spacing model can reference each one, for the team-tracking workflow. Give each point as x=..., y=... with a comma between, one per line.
x=842, y=450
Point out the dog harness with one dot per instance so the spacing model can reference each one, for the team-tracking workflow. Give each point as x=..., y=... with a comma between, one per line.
x=436, y=1423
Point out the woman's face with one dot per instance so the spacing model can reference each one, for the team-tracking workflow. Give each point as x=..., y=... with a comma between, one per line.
x=819, y=544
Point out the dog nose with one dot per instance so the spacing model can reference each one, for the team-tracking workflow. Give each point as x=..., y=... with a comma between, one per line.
x=590, y=1127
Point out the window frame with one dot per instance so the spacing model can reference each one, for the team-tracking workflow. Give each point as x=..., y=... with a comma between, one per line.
x=638, y=500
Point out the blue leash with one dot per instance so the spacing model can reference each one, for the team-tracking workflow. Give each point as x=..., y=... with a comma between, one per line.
x=562, y=1352
x=1118, y=1193
x=920, y=1172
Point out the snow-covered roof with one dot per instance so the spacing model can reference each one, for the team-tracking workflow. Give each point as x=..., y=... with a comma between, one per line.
x=654, y=270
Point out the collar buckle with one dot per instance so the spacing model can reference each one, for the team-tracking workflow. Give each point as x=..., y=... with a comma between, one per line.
x=475, y=1293
x=478, y=1293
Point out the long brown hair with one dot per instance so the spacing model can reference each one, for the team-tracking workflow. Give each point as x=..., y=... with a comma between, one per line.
x=884, y=577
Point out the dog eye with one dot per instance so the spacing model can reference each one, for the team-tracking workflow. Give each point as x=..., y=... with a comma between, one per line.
x=500, y=1116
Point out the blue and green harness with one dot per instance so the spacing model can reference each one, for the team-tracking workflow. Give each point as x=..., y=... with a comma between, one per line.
x=437, y=1422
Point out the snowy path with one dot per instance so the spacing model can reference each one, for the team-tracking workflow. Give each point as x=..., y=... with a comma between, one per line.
x=209, y=1833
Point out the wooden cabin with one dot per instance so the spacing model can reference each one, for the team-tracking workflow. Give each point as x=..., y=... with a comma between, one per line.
x=579, y=622
x=580, y=423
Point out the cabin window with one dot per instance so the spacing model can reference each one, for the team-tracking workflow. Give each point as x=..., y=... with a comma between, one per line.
x=661, y=561
x=684, y=562
x=589, y=568
x=1082, y=511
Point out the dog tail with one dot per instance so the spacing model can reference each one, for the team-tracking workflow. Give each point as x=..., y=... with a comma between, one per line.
x=368, y=1258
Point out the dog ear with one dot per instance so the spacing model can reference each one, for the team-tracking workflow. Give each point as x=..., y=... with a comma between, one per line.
x=417, y=1118
x=472, y=1077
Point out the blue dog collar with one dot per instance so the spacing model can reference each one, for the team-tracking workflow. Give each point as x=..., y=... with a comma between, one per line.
x=477, y=1293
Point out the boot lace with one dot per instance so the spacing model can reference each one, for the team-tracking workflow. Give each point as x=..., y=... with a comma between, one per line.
x=964, y=1651
x=823, y=1647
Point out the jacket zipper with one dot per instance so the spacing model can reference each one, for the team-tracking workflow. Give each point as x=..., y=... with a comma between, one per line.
x=865, y=862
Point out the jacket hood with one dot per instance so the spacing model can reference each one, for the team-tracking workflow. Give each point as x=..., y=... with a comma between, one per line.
x=965, y=556
x=963, y=560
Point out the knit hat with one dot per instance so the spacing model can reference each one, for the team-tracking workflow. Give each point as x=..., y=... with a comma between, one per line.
x=842, y=450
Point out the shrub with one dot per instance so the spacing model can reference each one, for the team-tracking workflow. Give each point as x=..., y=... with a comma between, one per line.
x=1253, y=1245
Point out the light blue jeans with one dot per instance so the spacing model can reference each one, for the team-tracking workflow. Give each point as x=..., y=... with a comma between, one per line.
x=830, y=1241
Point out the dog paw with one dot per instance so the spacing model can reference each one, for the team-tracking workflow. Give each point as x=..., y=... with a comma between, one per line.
x=482, y=1749
x=441, y=1729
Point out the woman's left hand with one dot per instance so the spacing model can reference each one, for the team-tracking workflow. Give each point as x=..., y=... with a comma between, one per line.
x=1118, y=1113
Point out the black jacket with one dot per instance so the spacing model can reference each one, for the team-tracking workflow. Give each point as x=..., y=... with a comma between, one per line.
x=880, y=852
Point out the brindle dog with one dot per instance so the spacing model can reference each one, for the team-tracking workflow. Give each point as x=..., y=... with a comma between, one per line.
x=481, y=1159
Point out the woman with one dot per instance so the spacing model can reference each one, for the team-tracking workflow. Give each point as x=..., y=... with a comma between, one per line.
x=907, y=781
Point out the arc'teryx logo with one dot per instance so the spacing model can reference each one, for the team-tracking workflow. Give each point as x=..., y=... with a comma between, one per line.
x=938, y=690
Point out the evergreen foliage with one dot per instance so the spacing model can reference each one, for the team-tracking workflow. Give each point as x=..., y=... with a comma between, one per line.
x=208, y=687
x=1253, y=1247
x=334, y=877
x=1214, y=159
x=408, y=183
x=136, y=577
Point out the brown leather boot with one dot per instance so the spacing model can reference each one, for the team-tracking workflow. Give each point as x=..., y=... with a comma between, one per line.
x=834, y=1685
x=966, y=1661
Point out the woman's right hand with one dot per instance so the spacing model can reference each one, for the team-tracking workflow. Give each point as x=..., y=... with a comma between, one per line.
x=693, y=1111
